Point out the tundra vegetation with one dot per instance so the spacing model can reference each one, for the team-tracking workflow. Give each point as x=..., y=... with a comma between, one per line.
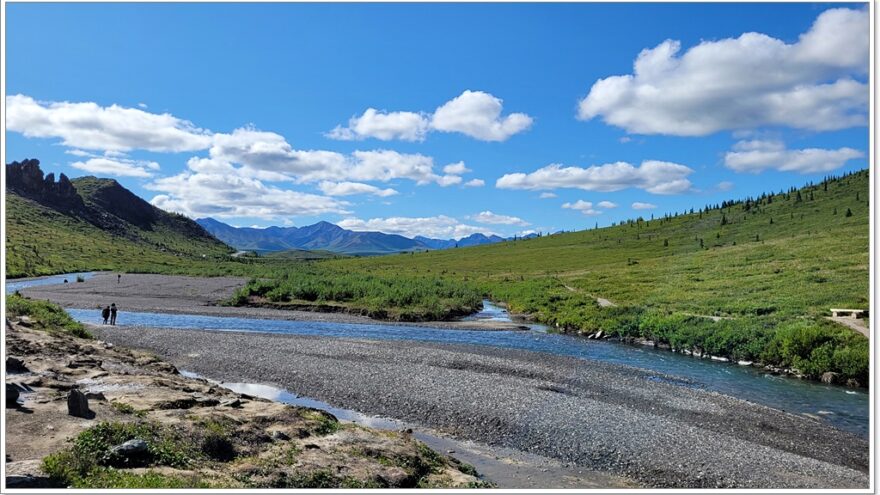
x=749, y=279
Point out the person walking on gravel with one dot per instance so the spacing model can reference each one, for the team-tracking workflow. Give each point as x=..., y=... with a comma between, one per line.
x=105, y=313
x=118, y=278
x=113, y=314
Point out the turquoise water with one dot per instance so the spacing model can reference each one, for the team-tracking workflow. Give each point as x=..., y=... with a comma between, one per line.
x=844, y=408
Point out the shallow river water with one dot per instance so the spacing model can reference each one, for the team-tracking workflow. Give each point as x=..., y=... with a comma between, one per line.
x=844, y=408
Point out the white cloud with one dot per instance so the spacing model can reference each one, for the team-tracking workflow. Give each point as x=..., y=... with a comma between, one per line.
x=118, y=167
x=93, y=127
x=643, y=206
x=495, y=219
x=756, y=156
x=408, y=126
x=456, y=169
x=585, y=207
x=607, y=204
x=448, y=180
x=547, y=195
x=478, y=115
x=746, y=82
x=143, y=105
x=439, y=227
x=270, y=152
x=230, y=195
x=80, y=153
x=352, y=188
x=725, y=185
x=653, y=176
x=474, y=113
x=475, y=183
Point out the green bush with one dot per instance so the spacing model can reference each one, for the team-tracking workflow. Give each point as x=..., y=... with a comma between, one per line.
x=46, y=315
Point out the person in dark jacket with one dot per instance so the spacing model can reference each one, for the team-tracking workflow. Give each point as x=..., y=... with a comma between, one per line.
x=113, y=314
x=105, y=313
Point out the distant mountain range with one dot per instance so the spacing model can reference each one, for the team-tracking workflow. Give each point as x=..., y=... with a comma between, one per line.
x=329, y=237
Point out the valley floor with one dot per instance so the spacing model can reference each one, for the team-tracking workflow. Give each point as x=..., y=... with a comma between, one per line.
x=599, y=416
x=198, y=296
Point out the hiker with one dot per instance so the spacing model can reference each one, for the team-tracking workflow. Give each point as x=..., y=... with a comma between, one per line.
x=65, y=280
x=113, y=314
x=118, y=278
x=105, y=313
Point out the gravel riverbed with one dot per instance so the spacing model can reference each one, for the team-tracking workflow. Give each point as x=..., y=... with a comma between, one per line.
x=623, y=420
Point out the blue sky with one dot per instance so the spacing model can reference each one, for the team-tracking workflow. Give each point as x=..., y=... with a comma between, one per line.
x=229, y=110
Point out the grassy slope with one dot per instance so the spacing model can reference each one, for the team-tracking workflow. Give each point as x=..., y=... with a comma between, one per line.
x=303, y=254
x=807, y=260
x=41, y=241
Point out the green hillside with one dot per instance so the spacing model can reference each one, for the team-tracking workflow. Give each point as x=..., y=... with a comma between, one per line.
x=770, y=267
x=94, y=224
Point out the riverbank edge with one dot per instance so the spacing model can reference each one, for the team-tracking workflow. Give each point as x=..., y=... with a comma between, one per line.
x=157, y=393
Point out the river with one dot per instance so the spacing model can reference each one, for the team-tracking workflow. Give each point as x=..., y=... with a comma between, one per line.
x=844, y=408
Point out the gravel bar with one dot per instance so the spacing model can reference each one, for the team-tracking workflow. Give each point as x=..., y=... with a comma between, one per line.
x=623, y=420
x=180, y=294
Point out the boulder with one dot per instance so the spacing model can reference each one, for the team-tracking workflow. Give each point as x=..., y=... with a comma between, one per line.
x=135, y=452
x=11, y=395
x=829, y=377
x=78, y=405
x=15, y=365
x=279, y=436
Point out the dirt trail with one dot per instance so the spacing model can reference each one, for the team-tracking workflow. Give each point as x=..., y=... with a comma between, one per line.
x=604, y=303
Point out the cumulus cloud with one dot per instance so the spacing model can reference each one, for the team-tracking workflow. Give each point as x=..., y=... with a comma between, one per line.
x=351, y=188
x=643, y=206
x=261, y=154
x=488, y=217
x=755, y=156
x=230, y=195
x=475, y=183
x=585, y=207
x=118, y=167
x=478, y=115
x=746, y=82
x=439, y=227
x=547, y=195
x=407, y=126
x=456, y=169
x=90, y=126
x=607, y=204
x=474, y=113
x=271, y=153
x=653, y=176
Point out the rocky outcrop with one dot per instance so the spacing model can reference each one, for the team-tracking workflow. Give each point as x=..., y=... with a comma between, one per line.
x=26, y=179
